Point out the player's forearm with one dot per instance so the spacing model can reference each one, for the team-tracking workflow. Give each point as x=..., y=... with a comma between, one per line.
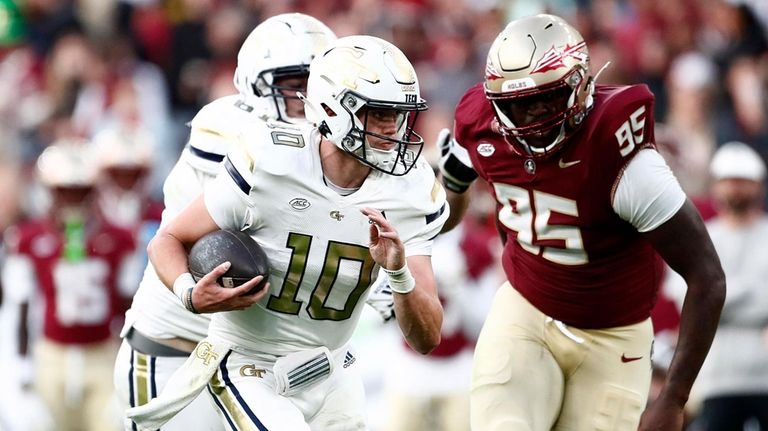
x=698, y=323
x=458, y=203
x=168, y=256
x=420, y=317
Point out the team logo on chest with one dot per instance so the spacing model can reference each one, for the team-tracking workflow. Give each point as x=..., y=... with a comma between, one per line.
x=485, y=149
x=530, y=166
x=336, y=215
x=299, y=204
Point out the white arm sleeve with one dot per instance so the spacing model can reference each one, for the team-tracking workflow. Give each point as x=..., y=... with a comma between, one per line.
x=648, y=193
x=228, y=205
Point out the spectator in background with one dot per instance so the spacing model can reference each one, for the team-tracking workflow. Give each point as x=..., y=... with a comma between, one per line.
x=733, y=382
x=687, y=138
x=128, y=94
x=737, y=42
x=72, y=264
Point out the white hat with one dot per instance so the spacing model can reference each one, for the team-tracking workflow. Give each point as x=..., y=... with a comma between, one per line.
x=692, y=71
x=737, y=160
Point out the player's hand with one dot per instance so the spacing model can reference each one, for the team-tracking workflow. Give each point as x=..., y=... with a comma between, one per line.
x=381, y=299
x=209, y=297
x=455, y=165
x=663, y=415
x=385, y=245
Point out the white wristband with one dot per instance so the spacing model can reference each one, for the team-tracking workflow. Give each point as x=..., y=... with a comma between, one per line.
x=401, y=280
x=182, y=288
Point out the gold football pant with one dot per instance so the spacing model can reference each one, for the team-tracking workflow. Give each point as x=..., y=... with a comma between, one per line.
x=75, y=382
x=533, y=373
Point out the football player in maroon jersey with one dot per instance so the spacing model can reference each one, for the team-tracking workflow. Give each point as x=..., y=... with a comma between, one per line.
x=587, y=209
x=75, y=265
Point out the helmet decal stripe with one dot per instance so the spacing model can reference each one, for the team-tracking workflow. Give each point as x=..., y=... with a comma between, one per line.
x=553, y=58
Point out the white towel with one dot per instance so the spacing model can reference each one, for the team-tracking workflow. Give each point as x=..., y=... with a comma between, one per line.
x=183, y=386
x=299, y=371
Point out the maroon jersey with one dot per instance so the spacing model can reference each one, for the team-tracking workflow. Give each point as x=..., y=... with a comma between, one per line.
x=567, y=252
x=81, y=296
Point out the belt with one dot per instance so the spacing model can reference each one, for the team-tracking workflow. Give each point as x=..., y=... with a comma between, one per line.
x=148, y=346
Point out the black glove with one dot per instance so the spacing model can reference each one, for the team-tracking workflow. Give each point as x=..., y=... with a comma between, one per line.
x=454, y=163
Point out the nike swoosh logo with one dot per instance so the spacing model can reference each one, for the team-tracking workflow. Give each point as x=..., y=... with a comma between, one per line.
x=564, y=165
x=625, y=358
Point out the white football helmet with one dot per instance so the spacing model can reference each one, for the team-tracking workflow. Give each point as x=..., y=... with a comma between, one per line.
x=67, y=170
x=281, y=46
x=365, y=71
x=539, y=58
x=67, y=164
x=124, y=159
x=124, y=148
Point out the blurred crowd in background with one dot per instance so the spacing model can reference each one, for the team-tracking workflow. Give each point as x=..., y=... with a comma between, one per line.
x=75, y=67
x=91, y=70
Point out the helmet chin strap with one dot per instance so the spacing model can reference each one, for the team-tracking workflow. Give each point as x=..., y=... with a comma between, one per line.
x=312, y=113
x=597, y=75
x=380, y=158
x=591, y=85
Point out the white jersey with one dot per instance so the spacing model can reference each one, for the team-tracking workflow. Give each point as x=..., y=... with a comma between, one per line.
x=316, y=239
x=156, y=311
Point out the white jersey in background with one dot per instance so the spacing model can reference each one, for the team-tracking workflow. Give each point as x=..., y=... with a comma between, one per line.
x=156, y=311
x=316, y=239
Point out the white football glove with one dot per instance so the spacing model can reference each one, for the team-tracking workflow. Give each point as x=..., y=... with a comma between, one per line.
x=454, y=164
x=381, y=299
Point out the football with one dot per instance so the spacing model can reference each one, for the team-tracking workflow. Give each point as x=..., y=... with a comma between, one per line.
x=247, y=257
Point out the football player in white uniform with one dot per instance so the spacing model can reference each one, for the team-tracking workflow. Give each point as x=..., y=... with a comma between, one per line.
x=159, y=333
x=329, y=204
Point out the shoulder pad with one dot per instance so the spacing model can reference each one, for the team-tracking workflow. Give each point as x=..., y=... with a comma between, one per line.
x=221, y=117
x=272, y=147
x=623, y=118
x=473, y=113
x=426, y=205
x=217, y=125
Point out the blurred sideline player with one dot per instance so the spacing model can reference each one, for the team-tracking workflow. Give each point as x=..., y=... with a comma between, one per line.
x=125, y=165
x=585, y=203
x=76, y=264
x=315, y=198
x=124, y=160
x=159, y=332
